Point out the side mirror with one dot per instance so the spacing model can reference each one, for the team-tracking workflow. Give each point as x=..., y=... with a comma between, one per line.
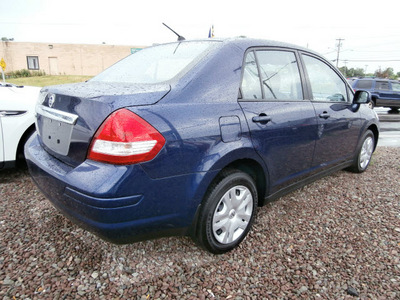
x=362, y=97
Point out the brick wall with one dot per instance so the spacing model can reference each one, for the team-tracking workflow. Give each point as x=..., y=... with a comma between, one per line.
x=63, y=59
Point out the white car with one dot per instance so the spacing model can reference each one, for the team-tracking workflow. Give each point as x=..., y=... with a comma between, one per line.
x=17, y=121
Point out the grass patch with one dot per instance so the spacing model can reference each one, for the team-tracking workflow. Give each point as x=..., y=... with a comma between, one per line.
x=48, y=80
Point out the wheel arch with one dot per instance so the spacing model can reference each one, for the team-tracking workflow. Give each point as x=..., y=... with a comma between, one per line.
x=375, y=131
x=19, y=155
x=374, y=98
x=253, y=167
x=256, y=171
x=250, y=164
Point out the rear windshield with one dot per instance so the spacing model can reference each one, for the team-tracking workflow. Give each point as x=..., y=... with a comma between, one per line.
x=155, y=64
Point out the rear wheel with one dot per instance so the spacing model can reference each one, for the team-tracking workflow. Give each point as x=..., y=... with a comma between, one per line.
x=364, y=153
x=228, y=212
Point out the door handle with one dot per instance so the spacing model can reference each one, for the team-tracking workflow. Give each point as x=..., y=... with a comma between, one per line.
x=324, y=115
x=263, y=119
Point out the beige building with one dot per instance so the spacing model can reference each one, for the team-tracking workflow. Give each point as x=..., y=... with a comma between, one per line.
x=62, y=59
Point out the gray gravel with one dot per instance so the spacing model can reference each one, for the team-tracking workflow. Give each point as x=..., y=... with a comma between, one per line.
x=338, y=238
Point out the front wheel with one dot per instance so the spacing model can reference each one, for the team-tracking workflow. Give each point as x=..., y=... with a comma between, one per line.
x=364, y=153
x=227, y=213
x=372, y=103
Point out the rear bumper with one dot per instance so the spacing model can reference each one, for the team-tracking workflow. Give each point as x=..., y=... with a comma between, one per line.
x=120, y=204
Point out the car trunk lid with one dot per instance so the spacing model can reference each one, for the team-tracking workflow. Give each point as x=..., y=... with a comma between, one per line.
x=69, y=115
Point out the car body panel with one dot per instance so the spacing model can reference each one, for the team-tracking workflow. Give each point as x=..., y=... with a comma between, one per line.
x=386, y=95
x=17, y=117
x=290, y=134
x=129, y=194
x=342, y=129
x=1, y=147
x=207, y=128
x=91, y=103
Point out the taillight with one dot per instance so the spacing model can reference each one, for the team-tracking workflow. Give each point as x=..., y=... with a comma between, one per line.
x=125, y=138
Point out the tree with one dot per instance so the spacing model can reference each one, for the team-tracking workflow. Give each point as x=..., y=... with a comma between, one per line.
x=358, y=72
x=388, y=73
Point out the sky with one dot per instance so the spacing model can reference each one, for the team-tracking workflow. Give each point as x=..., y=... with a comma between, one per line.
x=369, y=31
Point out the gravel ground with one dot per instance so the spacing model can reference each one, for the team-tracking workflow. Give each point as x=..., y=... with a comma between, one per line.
x=338, y=238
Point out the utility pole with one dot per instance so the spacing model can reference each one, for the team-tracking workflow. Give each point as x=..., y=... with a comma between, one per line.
x=338, y=51
x=345, y=68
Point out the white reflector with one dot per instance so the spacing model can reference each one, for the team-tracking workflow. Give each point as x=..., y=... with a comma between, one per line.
x=123, y=149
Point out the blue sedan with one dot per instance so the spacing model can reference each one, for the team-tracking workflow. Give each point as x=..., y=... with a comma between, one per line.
x=189, y=138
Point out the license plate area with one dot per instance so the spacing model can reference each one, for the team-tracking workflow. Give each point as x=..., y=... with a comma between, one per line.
x=56, y=135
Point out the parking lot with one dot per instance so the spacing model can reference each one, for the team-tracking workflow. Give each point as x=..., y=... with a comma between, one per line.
x=390, y=128
x=335, y=238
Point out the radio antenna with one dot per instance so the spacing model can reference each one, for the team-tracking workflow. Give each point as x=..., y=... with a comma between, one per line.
x=180, y=38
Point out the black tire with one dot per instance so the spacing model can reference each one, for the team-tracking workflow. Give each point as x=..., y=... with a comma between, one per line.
x=233, y=200
x=20, y=159
x=372, y=103
x=364, y=153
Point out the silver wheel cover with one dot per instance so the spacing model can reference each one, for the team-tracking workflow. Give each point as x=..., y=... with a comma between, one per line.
x=232, y=214
x=366, y=152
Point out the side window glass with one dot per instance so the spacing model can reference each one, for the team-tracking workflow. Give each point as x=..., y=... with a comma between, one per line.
x=396, y=86
x=251, y=88
x=364, y=84
x=382, y=85
x=326, y=85
x=280, y=75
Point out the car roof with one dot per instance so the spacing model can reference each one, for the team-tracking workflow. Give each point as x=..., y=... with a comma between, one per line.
x=250, y=42
x=377, y=78
x=245, y=43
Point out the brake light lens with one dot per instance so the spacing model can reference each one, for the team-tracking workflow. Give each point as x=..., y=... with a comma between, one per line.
x=125, y=138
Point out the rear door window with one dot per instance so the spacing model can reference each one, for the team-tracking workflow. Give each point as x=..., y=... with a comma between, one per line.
x=251, y=88
x=271, y=75
x=364, y=84
x=382, y=85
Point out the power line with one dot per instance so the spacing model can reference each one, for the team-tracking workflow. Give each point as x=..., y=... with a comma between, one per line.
x=372, y=60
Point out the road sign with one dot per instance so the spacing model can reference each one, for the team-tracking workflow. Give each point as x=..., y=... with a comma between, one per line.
x=3, y=64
